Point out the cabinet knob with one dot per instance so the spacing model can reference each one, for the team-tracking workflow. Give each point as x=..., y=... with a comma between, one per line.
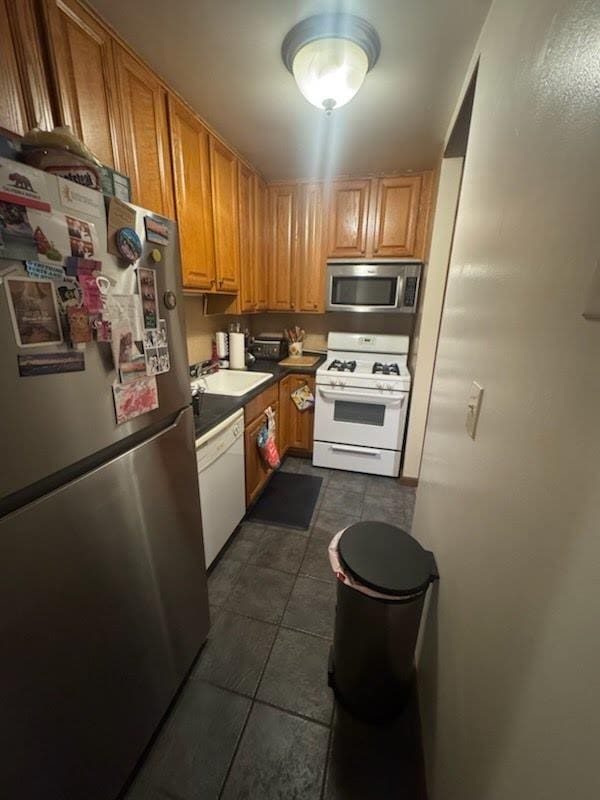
x=292, y=305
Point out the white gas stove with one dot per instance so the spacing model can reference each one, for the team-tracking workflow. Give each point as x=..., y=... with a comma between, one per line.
x=361, y=402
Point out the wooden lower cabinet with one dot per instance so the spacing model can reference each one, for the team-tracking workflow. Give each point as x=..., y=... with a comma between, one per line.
x=257, y=472
x=295, y=427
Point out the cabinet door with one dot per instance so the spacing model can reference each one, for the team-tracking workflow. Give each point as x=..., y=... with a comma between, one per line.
x=82, y=58
x=283, y=210
x=284, y=414
x=24, y=97
x=311, y=270
x=145, y=137
x=257, y=472
x=348, y=213
x=13, y=111
x=261, y=243
x=224, y=183
x=191, y=171
x=299, y=427
x=395, y=224
x=247, y=237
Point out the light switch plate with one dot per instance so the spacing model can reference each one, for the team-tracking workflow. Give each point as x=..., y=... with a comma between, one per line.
x=473, y=408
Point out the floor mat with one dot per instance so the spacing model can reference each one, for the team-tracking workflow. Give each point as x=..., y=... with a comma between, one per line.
x=289, y=500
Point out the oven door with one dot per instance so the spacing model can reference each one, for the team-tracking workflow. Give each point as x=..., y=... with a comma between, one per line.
x=366, y=417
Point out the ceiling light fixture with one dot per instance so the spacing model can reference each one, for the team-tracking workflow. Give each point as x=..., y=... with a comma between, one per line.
x=329, y=55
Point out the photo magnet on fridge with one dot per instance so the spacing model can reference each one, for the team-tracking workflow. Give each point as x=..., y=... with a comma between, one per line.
x=147, y=288
x=34, y=311
x=157, y=230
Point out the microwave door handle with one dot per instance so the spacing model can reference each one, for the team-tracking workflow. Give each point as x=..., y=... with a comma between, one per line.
x=376, y=399
x=399, y=290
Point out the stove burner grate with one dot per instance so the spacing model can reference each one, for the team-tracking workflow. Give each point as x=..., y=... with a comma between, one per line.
x=385, y=369
x=342, y=366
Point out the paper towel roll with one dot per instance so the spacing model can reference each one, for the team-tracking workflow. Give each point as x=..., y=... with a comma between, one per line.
x=236, y=351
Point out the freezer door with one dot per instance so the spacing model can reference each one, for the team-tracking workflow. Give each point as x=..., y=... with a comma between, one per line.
x=50, y=422
x=103, y=607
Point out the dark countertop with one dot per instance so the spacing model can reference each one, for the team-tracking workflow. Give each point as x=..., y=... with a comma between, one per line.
x=217, y=407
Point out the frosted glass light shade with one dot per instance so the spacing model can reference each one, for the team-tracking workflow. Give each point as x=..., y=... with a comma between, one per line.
x=329, y=72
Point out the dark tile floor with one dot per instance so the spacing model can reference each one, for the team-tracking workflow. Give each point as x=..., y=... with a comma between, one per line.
x=256, y=720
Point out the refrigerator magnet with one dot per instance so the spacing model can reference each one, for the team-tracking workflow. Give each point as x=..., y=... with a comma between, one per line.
x=34, y=311
x=79, y=325
x=34, y=364
x=157, y=230
x=129, y=245
x=156, y=350
x=147, y=288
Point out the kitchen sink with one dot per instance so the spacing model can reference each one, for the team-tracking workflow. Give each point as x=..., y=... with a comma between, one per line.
x=231, y=382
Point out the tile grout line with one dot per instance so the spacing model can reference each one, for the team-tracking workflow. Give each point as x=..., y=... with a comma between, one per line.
x=254, y=700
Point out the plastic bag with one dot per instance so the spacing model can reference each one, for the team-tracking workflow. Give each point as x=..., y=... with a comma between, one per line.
x=265, y=440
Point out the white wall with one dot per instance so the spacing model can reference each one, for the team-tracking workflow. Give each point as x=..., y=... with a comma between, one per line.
x=510, y=668
x=431, y=311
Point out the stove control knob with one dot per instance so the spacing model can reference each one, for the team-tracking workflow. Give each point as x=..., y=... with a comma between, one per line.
x=332, y=381
x=341, y=382
x=380, y=384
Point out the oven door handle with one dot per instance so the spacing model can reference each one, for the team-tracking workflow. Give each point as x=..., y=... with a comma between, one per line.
x=347, y=448
x=375, y=399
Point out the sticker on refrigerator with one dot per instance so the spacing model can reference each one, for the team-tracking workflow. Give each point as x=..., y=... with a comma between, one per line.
x=147, y=289
x=22, y=185
x=135, y=398
x=82, y=266
x=34, y=311
x=157, y=230
x=156, y=350
x=50, y=363
x=69, y=294
x=92, y=298
x=128, y=245
x=35, y=269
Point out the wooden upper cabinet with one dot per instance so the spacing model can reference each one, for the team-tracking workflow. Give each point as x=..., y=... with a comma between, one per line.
x=247, y=236
x=82, y=59
x=395, y=222
x=146, y=154
x=13, y=111
x=348, y=214
x=224, y=183
x=283, y=220
x=261, y=262
x=191, y=172
x=24, y=97
x=311, y=271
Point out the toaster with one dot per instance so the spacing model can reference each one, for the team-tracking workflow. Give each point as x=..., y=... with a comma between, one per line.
x=270, y=348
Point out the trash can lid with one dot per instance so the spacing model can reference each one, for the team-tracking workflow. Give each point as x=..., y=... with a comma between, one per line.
x=386, y=558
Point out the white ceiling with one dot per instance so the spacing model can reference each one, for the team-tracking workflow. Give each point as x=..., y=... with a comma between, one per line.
x=223, y=56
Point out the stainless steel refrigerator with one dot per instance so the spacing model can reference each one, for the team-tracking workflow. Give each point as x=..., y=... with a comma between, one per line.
x=103, y=599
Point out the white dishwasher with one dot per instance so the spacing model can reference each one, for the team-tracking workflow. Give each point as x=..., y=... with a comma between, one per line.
x=220, y=457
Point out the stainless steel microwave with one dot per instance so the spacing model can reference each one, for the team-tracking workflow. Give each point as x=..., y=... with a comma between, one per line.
x=373, y=286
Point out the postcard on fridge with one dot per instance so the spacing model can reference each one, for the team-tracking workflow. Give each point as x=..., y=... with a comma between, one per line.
x=34, y=311
x=135, y=398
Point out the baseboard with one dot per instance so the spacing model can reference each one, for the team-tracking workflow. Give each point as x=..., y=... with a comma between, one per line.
x=406, y=481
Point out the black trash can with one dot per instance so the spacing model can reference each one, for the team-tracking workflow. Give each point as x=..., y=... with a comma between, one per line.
x=372, y=659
